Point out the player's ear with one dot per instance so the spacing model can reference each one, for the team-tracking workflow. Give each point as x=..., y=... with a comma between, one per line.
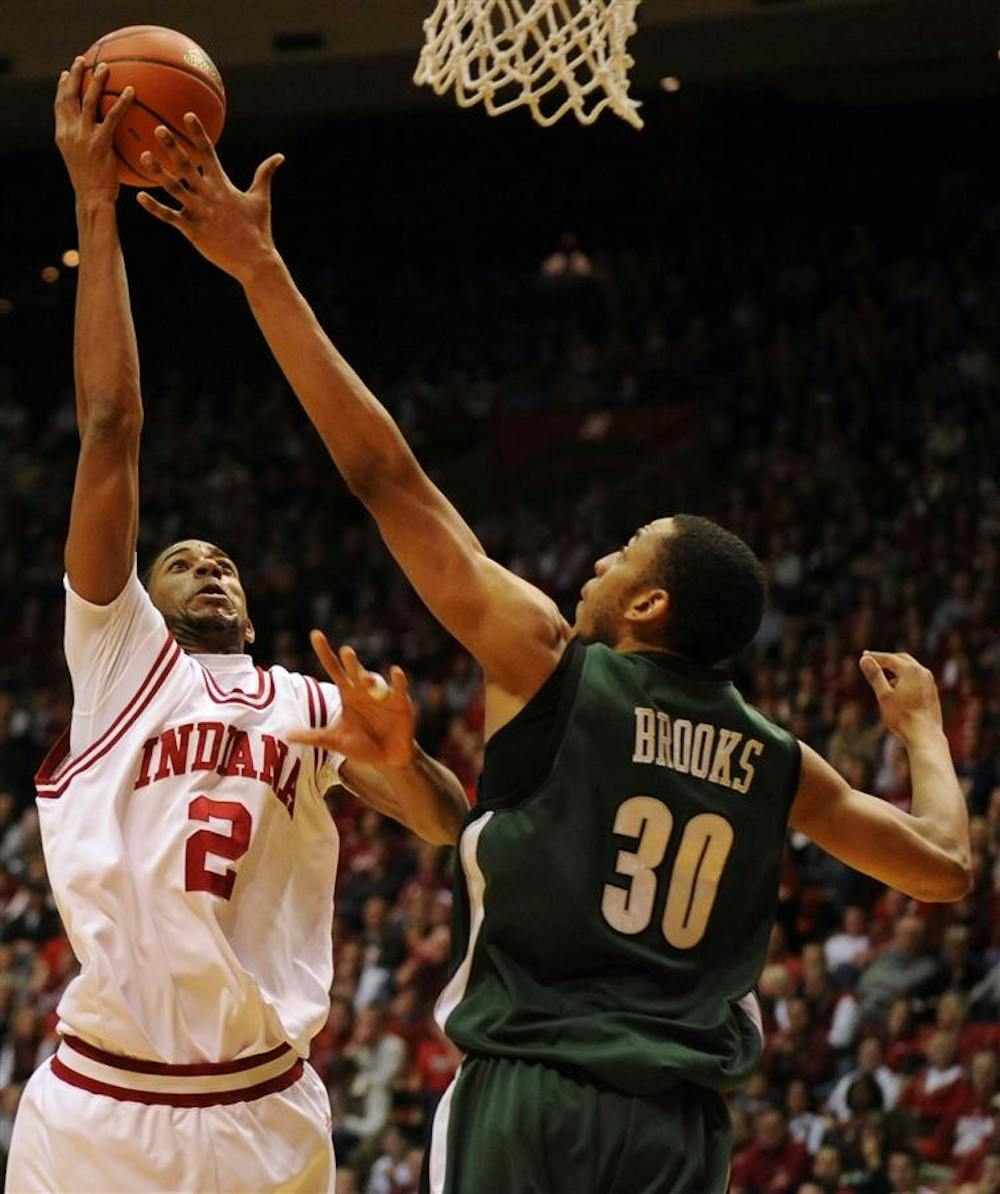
x=648, y=607
x=249, y=634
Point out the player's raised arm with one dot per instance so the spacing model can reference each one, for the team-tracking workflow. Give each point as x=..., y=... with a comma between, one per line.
x=103, y=524
x=512, y=628
x=924, y=853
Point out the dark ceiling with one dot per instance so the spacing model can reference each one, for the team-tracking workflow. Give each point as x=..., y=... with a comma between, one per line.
x=300, y=58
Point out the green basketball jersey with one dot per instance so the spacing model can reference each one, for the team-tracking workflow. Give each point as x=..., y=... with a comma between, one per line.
x=619, y=876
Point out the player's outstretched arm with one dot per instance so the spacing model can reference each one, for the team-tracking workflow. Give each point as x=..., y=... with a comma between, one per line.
x=924, y=853
x=104, y=515
x=513, y=629
x=385, y=767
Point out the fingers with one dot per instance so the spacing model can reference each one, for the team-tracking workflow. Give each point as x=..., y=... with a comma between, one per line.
x=352, y=665
x=67, y=101
x=93, y=93
x=173, y=185
x=398, y=681
x=894, y=660
x=118, y=110
x=872, y=671
x=265, y=172
x=181, y=165
x=196, y=130
x=167, y=214
x=64, y=88
x=328, y=658
x=312, y=737
x=202, y=144
x=370, y=682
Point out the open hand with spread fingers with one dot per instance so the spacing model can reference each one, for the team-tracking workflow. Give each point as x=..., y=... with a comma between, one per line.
x=907, y=695
x=86, y=143
x=377, y=720
x=229, y=227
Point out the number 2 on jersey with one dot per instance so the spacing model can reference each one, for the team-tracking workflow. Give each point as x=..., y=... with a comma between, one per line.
x=694, y=881
x=197, y=876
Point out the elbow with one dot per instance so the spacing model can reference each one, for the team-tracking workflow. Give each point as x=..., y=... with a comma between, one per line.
x=372, y=478
x=365, y=483
x=113, y=420
x=951, y=880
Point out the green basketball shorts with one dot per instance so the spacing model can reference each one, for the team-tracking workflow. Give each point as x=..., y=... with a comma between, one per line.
x=516, y=1127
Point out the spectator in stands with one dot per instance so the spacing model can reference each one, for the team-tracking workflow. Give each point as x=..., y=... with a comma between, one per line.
x=900, y=1038
x=849, y=948
x=23, y=1051
x=904, y=969
x=870, y=1065
x=774, y=1163
x=377, y=1058
x=799, y=1051
x=969, y=1122
x=960, y=968
x=904, y=1165
x=382, y=950
x=853, y=738
x=828, y=1170
x=10, y=1096
x=804, y=1123
x=866, y=1153
x=927, y=1098
x=390, y=1171
x=987, y=1174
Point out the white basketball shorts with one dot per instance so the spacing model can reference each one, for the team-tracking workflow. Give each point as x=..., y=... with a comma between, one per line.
x=86, y=1124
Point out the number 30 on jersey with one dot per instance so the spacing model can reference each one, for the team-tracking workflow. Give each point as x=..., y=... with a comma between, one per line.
x=694, y=881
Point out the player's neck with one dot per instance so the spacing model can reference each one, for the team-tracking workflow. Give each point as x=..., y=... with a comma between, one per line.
x=223, y=642
x=629, y=642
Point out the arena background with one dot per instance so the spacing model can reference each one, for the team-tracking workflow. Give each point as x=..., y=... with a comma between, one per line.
x=782, y=310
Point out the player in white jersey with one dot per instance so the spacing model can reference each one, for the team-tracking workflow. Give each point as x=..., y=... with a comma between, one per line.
x=188, y=842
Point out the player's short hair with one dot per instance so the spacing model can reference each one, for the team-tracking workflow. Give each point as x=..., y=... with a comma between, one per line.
x=717, y=590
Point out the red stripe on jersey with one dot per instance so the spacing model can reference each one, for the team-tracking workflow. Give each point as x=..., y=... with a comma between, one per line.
x=46, y=773
x=256, y=700
x=209, y=1099
x=312, y=717
x=46, y=780
x=324, y=755
x=197, y=1069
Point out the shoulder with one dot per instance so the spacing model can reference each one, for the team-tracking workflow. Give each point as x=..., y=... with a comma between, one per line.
x=320, y=698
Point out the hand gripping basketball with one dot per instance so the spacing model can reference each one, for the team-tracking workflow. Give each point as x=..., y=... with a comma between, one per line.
x=229, y=227
x=86, y=143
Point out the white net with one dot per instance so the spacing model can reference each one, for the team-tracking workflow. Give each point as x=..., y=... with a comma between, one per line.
x=552, y=56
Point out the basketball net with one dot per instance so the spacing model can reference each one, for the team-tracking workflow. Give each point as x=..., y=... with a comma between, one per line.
x=551, y=56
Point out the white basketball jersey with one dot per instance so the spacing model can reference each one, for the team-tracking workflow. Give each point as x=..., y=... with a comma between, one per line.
x=189, y=847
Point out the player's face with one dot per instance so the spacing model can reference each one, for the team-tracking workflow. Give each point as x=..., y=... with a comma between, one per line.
x=617, y=578
x=197, y=588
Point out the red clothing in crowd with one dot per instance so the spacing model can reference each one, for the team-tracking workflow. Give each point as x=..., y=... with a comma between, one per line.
x=435, y=1065
x=779, y=1170
x=929, y=1096
x=967, y=1124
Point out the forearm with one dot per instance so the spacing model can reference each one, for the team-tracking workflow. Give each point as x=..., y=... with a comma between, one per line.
x=937, y=800
x=105, y=355
x=438, y=800
x=359, y=433
x=424, y=796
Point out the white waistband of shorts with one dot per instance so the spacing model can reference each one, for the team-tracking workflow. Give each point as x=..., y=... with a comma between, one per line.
x=85, y=1066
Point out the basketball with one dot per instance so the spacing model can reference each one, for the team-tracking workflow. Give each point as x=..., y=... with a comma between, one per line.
x=171, y=75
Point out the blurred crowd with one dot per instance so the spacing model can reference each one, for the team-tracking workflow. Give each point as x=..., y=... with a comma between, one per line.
x=841, y=391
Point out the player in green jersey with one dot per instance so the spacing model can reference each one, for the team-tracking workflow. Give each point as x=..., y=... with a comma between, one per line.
x=619, y=873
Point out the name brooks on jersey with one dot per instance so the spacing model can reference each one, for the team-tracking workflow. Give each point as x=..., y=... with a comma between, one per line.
x=695, y=748
x=227, y=750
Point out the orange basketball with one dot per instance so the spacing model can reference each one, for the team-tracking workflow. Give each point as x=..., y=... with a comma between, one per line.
x=171, y=75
